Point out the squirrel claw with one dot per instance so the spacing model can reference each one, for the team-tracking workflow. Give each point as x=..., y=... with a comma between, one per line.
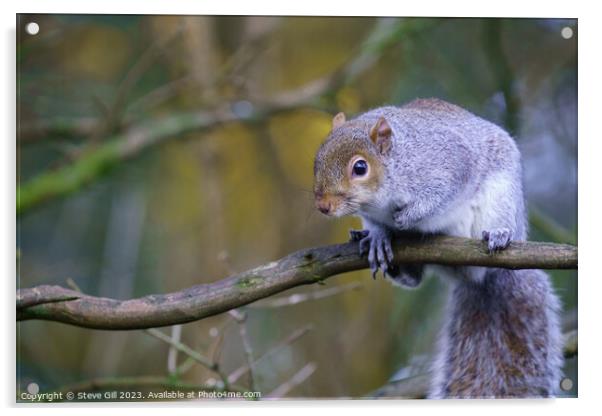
x=365, y=245
x=380, y=252
x=373, y=267
x=497, y=239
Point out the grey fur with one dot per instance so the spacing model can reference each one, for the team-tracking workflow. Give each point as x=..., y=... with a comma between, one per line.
x=501, y=338
x=451, y=172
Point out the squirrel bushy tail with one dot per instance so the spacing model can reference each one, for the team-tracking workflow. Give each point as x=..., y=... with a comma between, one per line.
x=501, y=338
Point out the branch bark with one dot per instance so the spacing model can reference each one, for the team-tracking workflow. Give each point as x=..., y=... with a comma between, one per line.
x=306, y=266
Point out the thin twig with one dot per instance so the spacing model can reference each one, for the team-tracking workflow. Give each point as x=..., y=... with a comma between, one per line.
x=215, y=349
x=71, y=283
x=248, y=51
x=183, y=348
x=140, y=67
x=241, y=318
x=298, y=378
x=236, y=374
x=160, y=94
x=172, y=354
x=184, y=367
x=383, y=35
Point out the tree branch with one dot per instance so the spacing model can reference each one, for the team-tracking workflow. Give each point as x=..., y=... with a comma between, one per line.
x=307, y=266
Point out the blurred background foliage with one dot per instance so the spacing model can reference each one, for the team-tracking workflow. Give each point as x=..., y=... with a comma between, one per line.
x=204, y=202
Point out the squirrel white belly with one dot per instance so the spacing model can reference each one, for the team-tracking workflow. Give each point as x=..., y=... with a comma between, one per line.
x=433, y=167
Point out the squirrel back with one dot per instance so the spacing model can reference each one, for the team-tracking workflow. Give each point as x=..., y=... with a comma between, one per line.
x=449, y=163
x=433, y=167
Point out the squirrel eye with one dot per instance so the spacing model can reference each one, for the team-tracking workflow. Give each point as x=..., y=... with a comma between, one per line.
x=360, y=168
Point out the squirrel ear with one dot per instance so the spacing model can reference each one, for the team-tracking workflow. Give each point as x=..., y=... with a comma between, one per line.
x=338, y=120
x=380, y=134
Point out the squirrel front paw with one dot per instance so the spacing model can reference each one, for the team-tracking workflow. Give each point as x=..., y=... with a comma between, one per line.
x=402, y=216
x=497, y=239
x=377, y=243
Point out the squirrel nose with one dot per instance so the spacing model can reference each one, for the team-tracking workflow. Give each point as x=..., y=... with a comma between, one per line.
x=324, y=206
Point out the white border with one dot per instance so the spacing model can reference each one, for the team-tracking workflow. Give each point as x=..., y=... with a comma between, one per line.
x=507, y=8
x=590, y=160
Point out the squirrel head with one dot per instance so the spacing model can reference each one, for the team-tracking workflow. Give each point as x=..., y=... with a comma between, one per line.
x=349, y=168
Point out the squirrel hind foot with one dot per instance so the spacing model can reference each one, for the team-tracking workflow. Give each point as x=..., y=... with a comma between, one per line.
x=497, y=239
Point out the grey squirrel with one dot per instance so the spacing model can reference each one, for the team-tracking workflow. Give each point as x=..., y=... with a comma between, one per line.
x=433, y=167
